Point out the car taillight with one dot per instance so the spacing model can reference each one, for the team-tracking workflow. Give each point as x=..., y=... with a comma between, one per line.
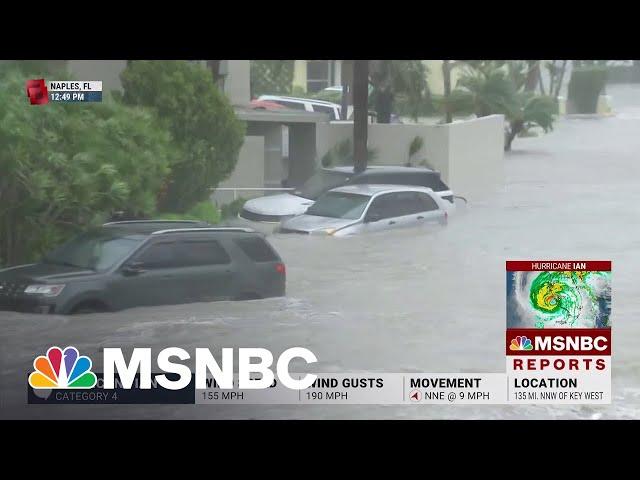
x=280, y=268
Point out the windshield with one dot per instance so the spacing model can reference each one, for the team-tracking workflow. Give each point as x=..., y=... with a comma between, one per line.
x=320, y=182
x=339, y=205
x=94, y=250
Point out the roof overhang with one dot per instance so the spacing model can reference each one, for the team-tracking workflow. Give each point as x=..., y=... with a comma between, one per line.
x=281, y=116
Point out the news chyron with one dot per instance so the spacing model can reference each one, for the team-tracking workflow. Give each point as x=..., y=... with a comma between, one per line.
x=557, y=346
x=41, y=92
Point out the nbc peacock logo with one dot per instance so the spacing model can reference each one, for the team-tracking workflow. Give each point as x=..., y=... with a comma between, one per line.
x=62, y=369
x=520, y=343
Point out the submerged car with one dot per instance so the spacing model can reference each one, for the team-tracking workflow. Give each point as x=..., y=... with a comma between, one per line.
x=355, y=209
x=142, y=263
x=276, y=208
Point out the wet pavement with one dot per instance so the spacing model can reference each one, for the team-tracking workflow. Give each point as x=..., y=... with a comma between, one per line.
x=410, y=301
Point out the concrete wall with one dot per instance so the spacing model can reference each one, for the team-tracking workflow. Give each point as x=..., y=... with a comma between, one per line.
x=237, y=83
x=106, y=70
x=274, y=165
x=249, y=171
x=475, y=156
x=469, y=154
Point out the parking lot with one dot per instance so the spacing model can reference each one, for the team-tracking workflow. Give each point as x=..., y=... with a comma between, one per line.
x=402, y=301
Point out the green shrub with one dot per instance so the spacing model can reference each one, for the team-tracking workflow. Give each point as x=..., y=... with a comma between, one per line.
x=204, y=211
x=585, y=86
x=231, y=210
x=271, y=77
x=203, y=124
x=342, y=154
x=67, y=166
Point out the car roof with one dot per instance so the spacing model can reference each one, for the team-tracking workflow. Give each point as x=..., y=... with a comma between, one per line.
x=158, y=227
x=380, y=169
x=374, y=189
x=297, y=99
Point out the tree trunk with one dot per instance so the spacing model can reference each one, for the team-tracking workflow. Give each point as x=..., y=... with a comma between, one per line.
x=542, y=91
x=514, y=129
x=384, y=101
x=360, y=114
x=344, y=107
x=532, y=75
x=561, y=79
x=214, y=66
x=446, y=75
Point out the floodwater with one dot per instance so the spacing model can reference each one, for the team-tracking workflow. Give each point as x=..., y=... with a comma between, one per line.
x=403, y=301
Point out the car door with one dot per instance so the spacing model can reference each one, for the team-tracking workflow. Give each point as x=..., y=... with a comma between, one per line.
x=380, y=214
x=210, y=269
x=430, y=211
x=150, y=277
x=406, y=208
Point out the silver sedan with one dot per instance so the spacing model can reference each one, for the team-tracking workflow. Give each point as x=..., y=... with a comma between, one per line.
x=357, y=209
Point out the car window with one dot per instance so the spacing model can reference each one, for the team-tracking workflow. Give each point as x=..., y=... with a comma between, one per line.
x=428, y=203
x=407, y=203
x=292, y=105
x=96, y=250
x=339, y=205
x=325, y=109
x=158, y=255
x=191, y=253
x=382, y=206
x=257, y=249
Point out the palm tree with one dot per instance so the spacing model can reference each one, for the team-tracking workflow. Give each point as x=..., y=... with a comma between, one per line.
x=446, y=74
x=502, y=88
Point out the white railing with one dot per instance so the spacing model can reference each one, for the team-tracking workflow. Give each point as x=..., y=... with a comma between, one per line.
x=235, y=190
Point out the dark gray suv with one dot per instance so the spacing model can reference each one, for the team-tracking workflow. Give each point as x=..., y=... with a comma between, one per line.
x=140, y=263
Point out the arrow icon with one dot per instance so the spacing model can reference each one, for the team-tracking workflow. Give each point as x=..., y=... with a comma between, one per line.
x=415, y=395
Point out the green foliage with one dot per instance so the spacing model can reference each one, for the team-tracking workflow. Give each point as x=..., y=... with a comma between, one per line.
x=66, y=166
x=204, y=211
x=329, y=96
x=493, y=91
x=342, y=154
x=271, y=77
x=498, y=87
x=407, y=82
x=539, y=110
x=415, y=146
x=231, y=210
x=585, y=86
x=204, y=127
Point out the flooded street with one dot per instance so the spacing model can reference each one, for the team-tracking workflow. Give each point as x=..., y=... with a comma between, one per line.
x=407, y=301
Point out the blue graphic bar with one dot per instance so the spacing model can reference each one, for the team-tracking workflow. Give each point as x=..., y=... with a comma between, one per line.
x=75, y=97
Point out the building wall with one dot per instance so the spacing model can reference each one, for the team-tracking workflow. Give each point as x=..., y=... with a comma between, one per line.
x=106, y=70
x=435, y=78
x=300, y=74
x=249, y=171
x=476, y=156
x=237, y=82
x=274, y=164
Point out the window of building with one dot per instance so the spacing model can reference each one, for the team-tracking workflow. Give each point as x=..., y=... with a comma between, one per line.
x=319, y=75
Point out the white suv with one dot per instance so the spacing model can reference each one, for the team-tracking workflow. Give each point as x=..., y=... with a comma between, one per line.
x=306, y=104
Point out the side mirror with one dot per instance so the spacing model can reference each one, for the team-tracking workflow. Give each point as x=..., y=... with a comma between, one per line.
x=133, y=268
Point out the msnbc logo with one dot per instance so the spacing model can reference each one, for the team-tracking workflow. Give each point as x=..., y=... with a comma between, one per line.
x=62, y=369
x=520, y=343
